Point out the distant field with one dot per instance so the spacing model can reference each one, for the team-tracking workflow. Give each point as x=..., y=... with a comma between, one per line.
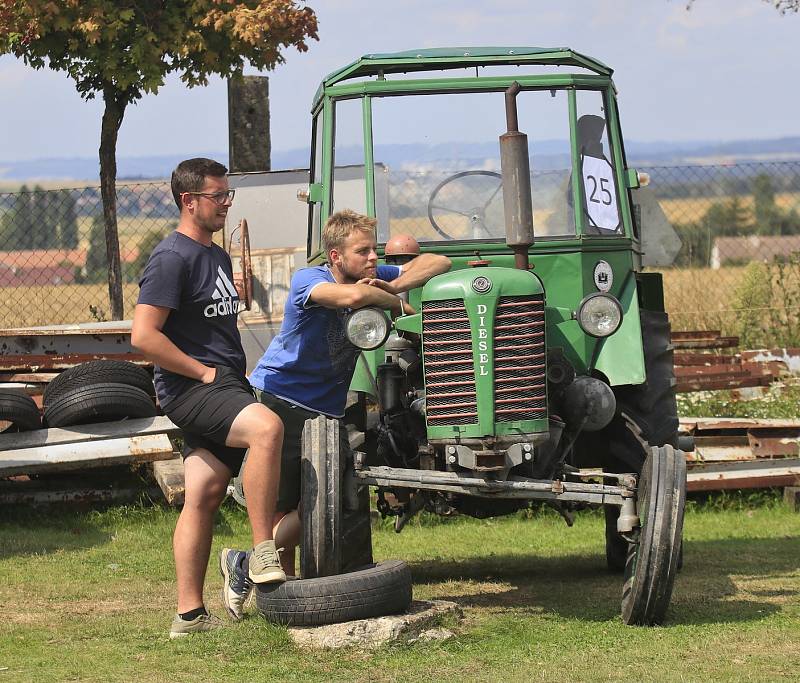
x=694, y=208
x=60, y=305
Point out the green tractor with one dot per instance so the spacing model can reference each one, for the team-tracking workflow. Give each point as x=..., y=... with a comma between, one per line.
x=540, y=367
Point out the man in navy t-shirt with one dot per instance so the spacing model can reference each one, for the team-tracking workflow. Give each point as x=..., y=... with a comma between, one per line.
x=185, y=323
x=307, y=368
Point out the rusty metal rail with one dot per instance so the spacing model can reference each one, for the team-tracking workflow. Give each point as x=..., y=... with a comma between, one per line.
x=707, y=371
x=742, y=453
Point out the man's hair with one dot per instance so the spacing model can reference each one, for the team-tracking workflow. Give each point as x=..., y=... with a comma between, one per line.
x=341, y=225
x=190, y=176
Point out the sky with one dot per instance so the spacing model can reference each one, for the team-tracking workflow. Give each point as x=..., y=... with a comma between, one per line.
x=724, y=70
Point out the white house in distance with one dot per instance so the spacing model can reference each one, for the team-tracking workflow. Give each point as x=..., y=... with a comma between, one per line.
x=738, y=250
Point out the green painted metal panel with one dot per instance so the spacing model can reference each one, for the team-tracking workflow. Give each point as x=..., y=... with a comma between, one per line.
x=612, y=125
x=369, y=163
x=377, y=64
x=327, y=158
x=364, y=375
x=621, y=357
x=577, y=194
x=470, y=84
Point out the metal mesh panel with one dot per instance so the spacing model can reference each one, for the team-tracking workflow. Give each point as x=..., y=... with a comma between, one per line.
x=53, y=264
x=738, y=270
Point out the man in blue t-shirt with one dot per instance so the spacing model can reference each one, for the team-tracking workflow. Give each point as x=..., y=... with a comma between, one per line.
x=307, y=368
x=185, y=323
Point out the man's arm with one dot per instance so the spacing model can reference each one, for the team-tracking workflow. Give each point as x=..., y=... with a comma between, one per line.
x=415, y=273
x=335, y=295
x=146, y=335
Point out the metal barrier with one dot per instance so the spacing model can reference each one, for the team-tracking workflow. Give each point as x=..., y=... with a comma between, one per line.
x=738, y=270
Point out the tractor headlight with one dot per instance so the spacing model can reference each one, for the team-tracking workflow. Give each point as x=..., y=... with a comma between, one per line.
x=599, y=315
x=367, y=328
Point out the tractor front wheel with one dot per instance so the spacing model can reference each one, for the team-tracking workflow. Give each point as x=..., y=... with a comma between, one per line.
x=652, y=562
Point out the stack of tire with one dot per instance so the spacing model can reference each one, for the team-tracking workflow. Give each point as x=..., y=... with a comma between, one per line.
x=99, y=391
x=18, y=412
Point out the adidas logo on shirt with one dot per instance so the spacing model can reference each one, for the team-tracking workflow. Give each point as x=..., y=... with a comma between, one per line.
x=226, y=298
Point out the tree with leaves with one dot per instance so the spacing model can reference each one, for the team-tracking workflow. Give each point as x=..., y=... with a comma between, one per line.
x=122, y=49
x=43, y=229
x=67, y=221
x=20, y=227
x=765, y=211
x=96, y=257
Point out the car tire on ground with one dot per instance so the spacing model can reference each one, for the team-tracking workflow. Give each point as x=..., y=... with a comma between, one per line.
x=375, y=591
x=98, y=403
x=98, y=372
x=19, y=409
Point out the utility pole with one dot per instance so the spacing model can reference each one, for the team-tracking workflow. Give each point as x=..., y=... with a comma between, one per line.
x=249, y=145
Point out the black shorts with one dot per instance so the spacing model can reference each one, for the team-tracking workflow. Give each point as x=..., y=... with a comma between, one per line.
x=205, y=413
x=294, y=419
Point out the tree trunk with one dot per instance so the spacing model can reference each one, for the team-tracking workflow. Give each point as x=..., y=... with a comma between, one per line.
x=112, y=120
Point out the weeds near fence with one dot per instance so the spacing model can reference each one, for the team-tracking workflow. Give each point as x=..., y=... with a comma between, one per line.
x=779, y=401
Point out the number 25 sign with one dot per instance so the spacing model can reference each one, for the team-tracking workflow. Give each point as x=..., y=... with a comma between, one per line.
x=600, y=194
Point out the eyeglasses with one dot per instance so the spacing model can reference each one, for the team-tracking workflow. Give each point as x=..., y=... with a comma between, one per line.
x=219, y=198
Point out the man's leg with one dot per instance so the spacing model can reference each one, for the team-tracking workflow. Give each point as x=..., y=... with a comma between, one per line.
x=206, y=483
x=287, y=532
x=259, y=429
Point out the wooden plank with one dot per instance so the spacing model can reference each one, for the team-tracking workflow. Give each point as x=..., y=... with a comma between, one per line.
x=715, y=343
x=28, y=377
x=702, y=384
x=756, y=474
x=698, y=424
x=705, y=359
x=680, y=335
x=90, y=432
x=71, y=456
x=44, y=361
x=28, y=496
x=170, y=478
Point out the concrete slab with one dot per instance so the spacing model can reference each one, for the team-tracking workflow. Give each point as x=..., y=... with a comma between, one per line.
x=422, y=622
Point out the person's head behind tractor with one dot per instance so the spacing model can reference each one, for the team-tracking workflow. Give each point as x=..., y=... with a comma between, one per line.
x=341, y=225
x=401, y=249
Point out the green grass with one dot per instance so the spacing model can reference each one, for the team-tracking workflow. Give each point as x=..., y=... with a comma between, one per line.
x=89, y=597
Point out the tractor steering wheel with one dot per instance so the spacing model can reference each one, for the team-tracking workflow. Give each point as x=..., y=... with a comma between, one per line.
x=470, y=194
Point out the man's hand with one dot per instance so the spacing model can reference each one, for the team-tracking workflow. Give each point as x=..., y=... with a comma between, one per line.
x=403, y=308
x=209, y=375
x=381, y=284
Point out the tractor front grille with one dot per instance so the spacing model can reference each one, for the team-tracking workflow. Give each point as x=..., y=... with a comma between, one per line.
x=520, y=391
x=519, y=361
x=450, y=396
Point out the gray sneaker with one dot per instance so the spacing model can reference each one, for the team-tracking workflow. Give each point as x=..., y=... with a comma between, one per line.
x=205, y=622
x=265, y=564
x=236, y=587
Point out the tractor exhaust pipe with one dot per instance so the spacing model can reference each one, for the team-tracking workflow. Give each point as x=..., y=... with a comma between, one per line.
x=516, y=172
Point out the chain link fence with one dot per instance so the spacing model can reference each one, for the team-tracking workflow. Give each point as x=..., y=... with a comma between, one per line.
x=738, y=270
x=53, y=264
